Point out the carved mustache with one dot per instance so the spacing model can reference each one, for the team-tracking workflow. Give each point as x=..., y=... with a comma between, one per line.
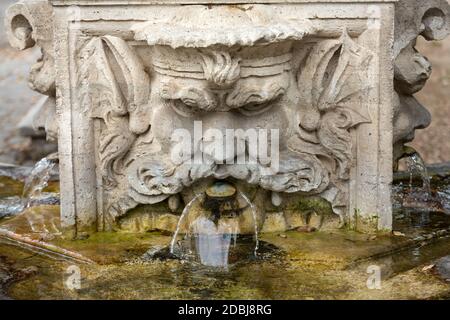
x=156, y=177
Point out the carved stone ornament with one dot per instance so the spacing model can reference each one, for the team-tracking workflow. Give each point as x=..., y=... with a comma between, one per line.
x=430, y=19
x=30, y=23
x=146, y=89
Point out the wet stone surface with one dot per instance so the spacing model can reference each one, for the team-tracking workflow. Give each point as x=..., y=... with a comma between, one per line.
x=241, y=253
x=299, y=274
x=443, y=268
x=5, y=277
x=296, y=265
x=9, y=275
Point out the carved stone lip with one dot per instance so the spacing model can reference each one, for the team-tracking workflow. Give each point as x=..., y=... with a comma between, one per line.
x=179, y=36
x=221, y=26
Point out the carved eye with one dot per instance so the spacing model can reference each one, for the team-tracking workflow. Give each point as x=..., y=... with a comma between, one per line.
x=255, y=108
x=132, y=107
x=185, y=108
x=190, y=102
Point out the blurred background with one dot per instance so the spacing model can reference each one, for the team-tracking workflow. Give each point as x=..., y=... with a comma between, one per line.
x=434, y=142
x=16, y=100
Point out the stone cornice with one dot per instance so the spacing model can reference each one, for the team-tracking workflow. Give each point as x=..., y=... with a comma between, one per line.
x=171, y=2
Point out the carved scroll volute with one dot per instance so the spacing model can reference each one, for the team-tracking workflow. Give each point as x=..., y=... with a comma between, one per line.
x=430, y=18
x=30, y=23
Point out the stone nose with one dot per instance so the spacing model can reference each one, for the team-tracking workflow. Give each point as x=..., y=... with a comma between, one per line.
x=219, y=136
x=424, y=64
x=420, y=116
x=424, y=118
x=220, y=120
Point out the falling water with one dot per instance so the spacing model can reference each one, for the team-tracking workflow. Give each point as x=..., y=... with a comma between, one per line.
x=421, y=201
x=181, y=220
x=35, y=183
x=212, y=241
x=415, y=163
x=255, y=221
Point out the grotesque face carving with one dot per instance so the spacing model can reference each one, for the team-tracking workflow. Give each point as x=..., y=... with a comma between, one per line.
x=231, y=92
x=431, y=20
x=228, y=92
x=412, y=70
x=282, y=127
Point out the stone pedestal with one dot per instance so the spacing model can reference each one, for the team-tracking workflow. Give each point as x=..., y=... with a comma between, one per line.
x=132, y=78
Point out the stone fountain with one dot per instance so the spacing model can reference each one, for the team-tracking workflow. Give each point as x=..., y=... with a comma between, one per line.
x=139, y=92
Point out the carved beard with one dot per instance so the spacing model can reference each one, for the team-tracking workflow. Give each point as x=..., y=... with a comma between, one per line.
x=154, y=180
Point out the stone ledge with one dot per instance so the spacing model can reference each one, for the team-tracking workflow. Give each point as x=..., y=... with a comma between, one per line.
x=209, y=2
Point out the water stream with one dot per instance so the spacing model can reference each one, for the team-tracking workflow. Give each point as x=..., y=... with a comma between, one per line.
x=32, y=193
x=213, y=260
x=37, y=181
x=186, y=211
x=213, y=239
x=255, y=221
x=419, y=201
x=416, y=164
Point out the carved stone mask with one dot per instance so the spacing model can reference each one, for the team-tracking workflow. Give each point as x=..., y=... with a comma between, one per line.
x=304, y=97
x=222, y=89
x=227, y=90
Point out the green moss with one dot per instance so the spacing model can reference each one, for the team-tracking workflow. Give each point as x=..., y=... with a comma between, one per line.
x=153, y=208
x=113, y=247
x=53, y=187
x=317, y=265
x=365, y=224
x=10, y=187
x=313, y=204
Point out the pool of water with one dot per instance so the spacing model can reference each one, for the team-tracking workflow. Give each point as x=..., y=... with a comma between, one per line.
x=292, y=265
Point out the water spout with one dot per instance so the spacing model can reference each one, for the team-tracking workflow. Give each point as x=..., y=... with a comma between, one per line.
x=212, y=229
x=416, y=164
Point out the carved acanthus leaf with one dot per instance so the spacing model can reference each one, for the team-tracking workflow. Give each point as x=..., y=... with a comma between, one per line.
x=116, y=88
x=333, y=100
x=333, y=84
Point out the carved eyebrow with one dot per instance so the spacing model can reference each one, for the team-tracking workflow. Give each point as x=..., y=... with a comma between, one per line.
x=241, y=97
x=191, y=96
x=199, y=98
